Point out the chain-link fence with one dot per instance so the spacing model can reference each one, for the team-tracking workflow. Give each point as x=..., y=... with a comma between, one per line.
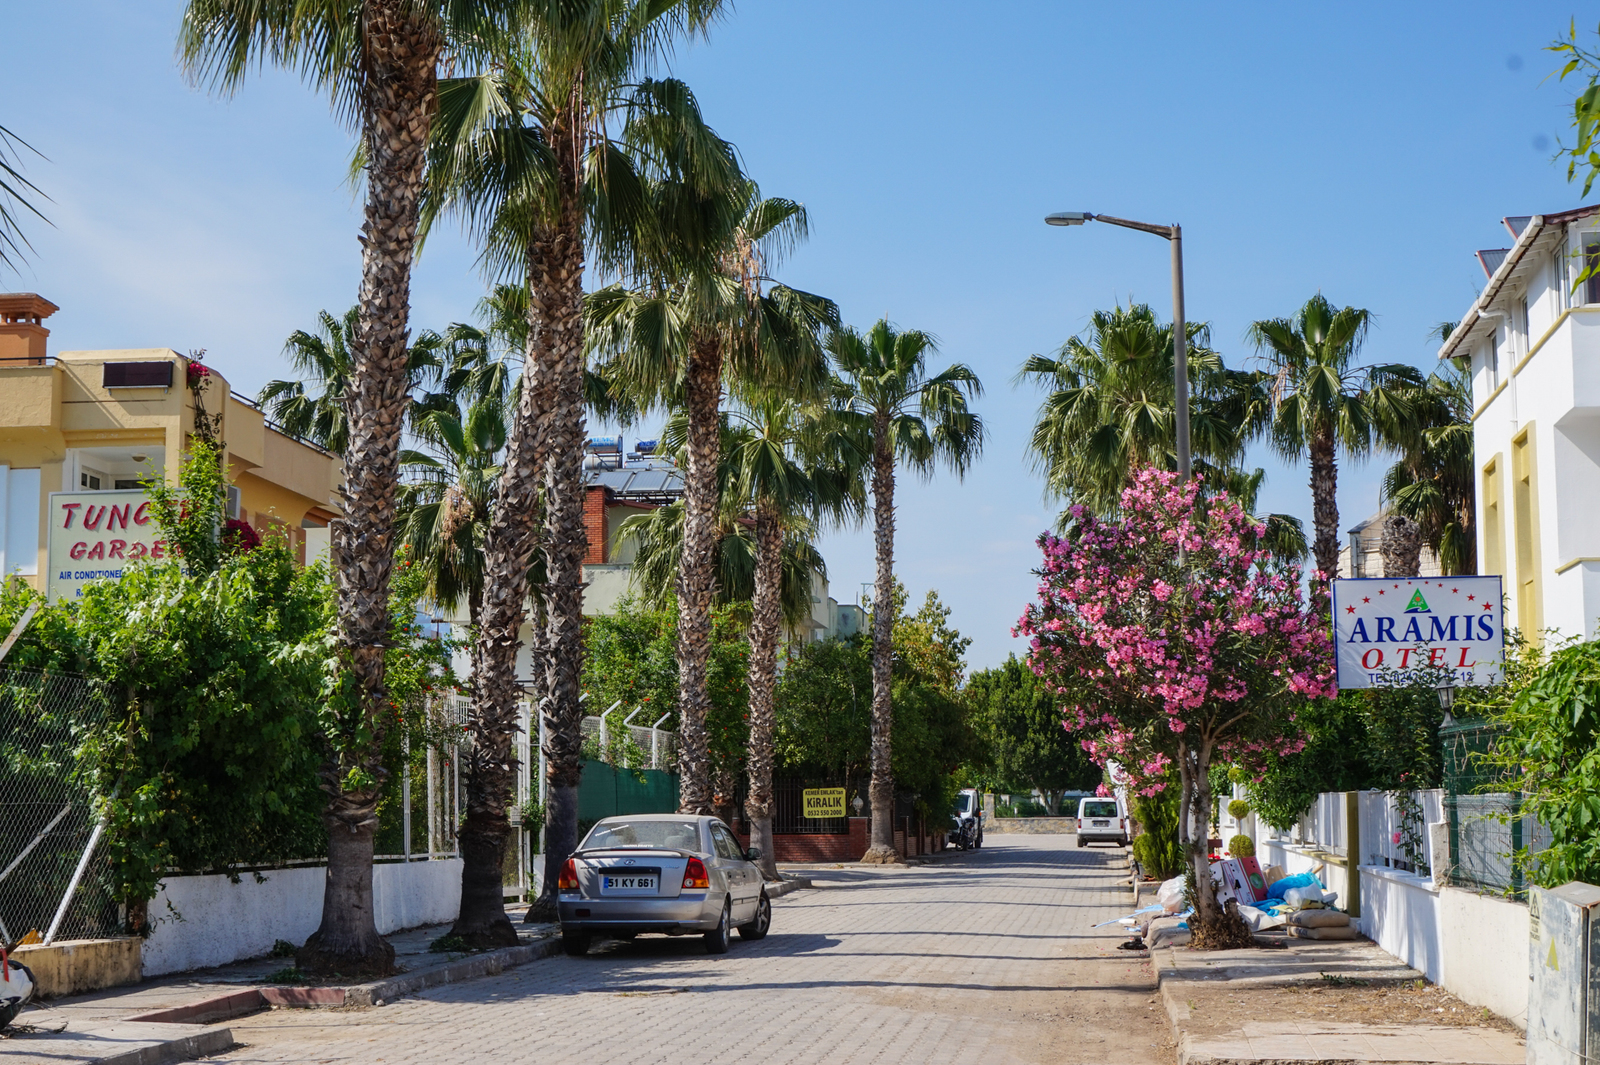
x=55, y=878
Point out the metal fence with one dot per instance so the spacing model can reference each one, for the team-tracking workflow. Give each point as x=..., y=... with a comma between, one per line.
x=55, y=878
x=788, y=809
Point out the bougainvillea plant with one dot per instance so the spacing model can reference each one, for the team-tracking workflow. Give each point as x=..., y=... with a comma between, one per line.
x=1173, y=641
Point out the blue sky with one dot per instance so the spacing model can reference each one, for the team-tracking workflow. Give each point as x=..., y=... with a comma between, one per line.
x=1364, y=150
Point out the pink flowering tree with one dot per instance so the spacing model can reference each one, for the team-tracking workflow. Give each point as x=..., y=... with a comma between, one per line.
x=1174, y=640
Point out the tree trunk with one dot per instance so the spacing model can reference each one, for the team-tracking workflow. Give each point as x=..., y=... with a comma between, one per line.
x=1325, y=507
x=1401, y=547
x=508, y=547
x=564, y=539
x=881, y=791
x=399, y=95
x=1198, y=819
x=765, y=620
x=697, y=573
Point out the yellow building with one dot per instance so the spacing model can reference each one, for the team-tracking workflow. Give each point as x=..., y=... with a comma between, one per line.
x=81, y=423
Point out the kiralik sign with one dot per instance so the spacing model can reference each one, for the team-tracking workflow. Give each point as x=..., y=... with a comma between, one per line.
x=1396, y=631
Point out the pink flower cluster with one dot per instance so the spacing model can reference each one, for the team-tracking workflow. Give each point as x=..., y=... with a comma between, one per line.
x=1172, y=619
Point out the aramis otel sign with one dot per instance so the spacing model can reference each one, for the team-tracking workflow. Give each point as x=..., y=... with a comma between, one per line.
x=1387, y=628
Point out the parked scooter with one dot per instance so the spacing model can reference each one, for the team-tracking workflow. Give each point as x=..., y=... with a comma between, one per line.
x=966, y=824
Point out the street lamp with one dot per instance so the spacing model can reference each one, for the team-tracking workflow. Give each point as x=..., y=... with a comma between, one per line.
x=1180, y=339
x=1446, y=690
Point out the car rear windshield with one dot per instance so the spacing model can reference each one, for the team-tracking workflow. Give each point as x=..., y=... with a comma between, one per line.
x=679, y=835
x=1099, y=809
x=964, y=803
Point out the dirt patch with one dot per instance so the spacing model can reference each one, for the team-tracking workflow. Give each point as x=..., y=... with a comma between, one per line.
x=1214, y=1011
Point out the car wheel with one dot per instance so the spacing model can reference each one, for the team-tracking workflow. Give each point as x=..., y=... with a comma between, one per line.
x=757, y=928
x=717, y=938
x=1082, y=842
x=576, y=944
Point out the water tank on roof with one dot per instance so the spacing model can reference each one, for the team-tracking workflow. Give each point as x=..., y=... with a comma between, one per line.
x=646, y=447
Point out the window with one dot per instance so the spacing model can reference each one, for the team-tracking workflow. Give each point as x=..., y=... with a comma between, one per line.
x=1092, y=808
x=1491, y=358
x=727, y=846
x=1524, y=327
x=1494, y=542
x=88, y=480
x=234, y=506
x=1560, y=282
x=1525, y=513
x=1591, y=266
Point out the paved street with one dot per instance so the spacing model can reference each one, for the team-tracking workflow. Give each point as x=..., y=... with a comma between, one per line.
x=985, y=957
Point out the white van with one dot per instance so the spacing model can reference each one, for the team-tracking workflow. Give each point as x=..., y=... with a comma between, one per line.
x=1102, y=821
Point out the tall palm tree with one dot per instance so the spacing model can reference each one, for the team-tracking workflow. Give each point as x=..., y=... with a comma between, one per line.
x=1323, y=401
x=707, y=314
x=898, y=413
x=378, y=59
x=446, y=497
x=524, y=153
x=1110, y=402
x=1432, y=483
x=789, y=467
x=15, y=201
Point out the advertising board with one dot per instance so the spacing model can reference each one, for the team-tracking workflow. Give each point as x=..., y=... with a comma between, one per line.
x=94, y=535
x=820, y=803
x=1396, y=631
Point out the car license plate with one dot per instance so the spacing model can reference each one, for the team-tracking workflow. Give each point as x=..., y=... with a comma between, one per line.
x=629, y=883
x=1101, y=824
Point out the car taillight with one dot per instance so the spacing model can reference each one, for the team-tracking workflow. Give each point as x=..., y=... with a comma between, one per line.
x=694, y=875
x=569, y=876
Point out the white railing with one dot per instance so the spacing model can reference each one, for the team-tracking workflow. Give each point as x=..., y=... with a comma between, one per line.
x=1386, y=841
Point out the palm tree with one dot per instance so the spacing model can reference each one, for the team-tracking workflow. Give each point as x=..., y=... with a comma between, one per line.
x=311, y=405
x=446, y=497
x=708, y=314
x=14, y=200
x=1432, y=483
x=775, y=437
x=523, y=153
x=897, y=413
x=378, y=61
x=1109, y=406
x=1322, y=402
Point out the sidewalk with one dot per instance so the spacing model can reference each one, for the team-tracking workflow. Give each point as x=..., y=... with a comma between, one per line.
x=1324, y=1002
x=183, y=1016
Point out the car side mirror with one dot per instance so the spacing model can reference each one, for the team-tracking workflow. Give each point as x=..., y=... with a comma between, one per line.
x=753, y=854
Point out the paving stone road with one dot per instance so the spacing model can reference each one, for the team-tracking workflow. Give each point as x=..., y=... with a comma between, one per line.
x=985, y=958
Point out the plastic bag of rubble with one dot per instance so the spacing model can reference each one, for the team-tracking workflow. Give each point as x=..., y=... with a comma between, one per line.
x=16, y=988
x=1170, y=895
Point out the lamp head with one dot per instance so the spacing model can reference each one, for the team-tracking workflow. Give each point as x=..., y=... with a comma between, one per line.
x=1068, y=218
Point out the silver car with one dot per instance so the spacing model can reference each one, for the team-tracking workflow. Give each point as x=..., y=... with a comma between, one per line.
x=667, y=873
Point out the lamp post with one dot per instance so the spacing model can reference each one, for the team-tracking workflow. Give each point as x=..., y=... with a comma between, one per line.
x=1180, y=339
x=1446, y=690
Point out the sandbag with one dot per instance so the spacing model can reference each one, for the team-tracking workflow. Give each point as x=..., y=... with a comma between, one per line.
x=1167, y=932
x=1319, y=919
x=1344, y=931
x=1259, y=920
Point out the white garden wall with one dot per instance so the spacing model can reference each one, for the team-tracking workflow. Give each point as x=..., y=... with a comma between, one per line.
x=222, y=922
x=1474, y=946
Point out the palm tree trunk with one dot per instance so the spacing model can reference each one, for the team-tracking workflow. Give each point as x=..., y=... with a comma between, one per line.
x=398, y=99
x=509, y=543
x=764, y=631
x=565, y=542
x=1325, y=506
x=881, y=791
x=697, y=575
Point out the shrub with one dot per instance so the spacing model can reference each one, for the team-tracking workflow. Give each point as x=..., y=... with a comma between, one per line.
x=1238, y=809
x=1156, y=847
x=1242, y=846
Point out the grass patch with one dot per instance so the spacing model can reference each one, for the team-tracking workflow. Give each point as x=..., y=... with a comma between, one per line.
x=290, y=975
x=282, y=948
x=1343, y=981
x=450, y=943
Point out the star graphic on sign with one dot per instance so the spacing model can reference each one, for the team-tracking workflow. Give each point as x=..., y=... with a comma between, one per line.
x=1366, y=599
x=1349, y=610
x=1380, y=591
x=1488, y=606
x=1453, y=591
x=1470, y=597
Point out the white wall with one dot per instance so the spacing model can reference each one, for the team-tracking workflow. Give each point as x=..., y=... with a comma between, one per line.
x=1474, y=946
x=224, y=922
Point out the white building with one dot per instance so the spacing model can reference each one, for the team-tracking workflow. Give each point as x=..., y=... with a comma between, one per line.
x=1362, y=555
x=1534, y=346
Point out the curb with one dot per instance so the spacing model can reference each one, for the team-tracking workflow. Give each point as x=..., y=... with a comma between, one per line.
x=490, y=963
x=185, y=1048
x=787, y=886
